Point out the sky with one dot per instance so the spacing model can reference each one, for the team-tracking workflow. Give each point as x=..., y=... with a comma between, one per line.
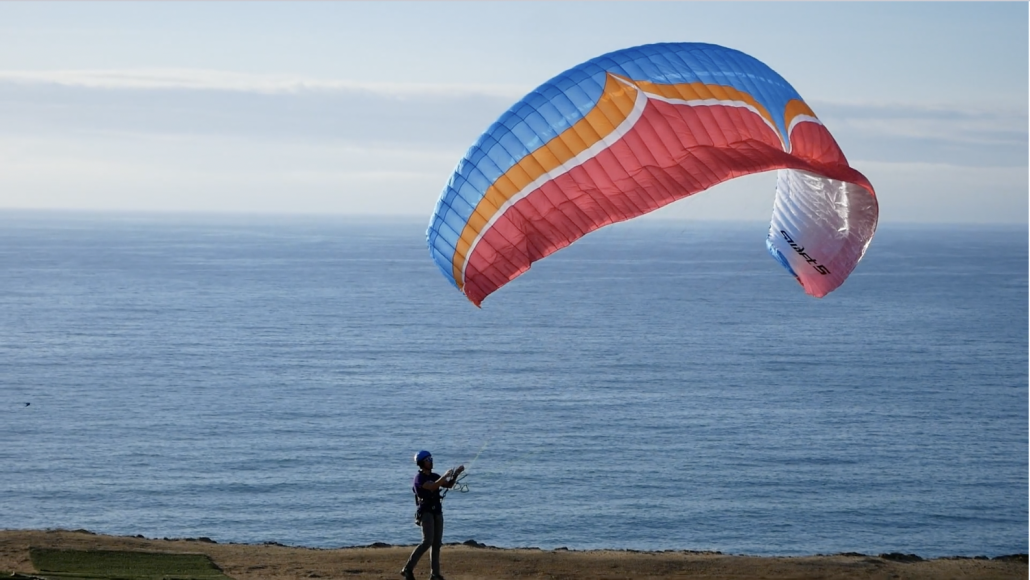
x=365, y=108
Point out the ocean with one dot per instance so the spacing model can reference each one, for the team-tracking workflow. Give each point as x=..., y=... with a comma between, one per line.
x=658, y=385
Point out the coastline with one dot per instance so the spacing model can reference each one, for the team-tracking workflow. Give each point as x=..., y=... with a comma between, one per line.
x=471, y=560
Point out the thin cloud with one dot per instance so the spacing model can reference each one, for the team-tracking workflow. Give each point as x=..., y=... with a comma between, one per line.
x=215, y=80
x=950, y=122
x=952, y=134
x=431, y=118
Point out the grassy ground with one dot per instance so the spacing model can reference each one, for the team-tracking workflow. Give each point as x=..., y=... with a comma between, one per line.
x=118, y=565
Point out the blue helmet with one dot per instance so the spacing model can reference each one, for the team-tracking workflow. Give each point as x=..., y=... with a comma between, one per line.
x=422, y=456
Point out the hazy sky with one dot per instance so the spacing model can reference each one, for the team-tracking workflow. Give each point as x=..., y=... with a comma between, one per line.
x=365, y=108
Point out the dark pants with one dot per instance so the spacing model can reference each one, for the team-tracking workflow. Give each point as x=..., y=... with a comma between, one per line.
x=432, y=537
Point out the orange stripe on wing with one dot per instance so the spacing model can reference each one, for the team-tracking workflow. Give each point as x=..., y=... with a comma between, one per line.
x=794, y=108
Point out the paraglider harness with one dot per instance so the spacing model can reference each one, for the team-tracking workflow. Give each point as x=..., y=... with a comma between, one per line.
x=418, y=508
x=421, y=502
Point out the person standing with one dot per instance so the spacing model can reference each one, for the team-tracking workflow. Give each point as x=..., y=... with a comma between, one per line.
x=429, y=515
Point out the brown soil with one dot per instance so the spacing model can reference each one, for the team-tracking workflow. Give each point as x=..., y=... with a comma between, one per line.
x=463, y=562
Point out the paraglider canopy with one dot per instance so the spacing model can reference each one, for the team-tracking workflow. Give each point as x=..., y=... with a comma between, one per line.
x=634, y=130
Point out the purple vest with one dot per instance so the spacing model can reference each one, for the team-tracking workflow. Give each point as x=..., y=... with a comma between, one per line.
x=428, y=501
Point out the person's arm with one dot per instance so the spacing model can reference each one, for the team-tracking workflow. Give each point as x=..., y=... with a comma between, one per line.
x=447, y=480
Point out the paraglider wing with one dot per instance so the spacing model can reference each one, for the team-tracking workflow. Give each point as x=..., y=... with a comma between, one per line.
x=631, y=131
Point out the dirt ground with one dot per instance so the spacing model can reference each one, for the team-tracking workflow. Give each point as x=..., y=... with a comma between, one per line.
x=468, y=562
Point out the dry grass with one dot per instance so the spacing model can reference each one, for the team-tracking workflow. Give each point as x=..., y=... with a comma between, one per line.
x=460, y=562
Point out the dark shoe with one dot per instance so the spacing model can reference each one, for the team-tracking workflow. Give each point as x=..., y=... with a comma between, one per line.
x=407, y=574
x=436, y=577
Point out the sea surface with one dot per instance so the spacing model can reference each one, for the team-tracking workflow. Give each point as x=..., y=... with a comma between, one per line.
x=658, y=385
